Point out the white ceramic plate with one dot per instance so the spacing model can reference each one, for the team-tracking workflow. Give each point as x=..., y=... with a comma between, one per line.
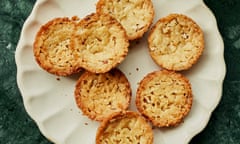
x=49, y=99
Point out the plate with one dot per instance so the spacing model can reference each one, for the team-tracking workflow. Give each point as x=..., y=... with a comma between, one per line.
x=49, y=99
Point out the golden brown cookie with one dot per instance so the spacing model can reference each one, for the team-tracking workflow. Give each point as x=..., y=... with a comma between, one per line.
x=100, y=43
x=135, y=16
x=124, y=128
x=100, y=95
x=52, y=47
x=176, y=42
x=164, y=97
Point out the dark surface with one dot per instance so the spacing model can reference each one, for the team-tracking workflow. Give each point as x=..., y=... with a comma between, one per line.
x=16, y=127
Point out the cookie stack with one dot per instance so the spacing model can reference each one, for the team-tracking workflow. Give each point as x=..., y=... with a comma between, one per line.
x=99, y=42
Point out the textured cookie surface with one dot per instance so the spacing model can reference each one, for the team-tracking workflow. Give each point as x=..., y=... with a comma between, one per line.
x=52, y=47
x=100, y=43
x=124, y=128
x=135, y=15
x=99, y=95
x=164, y=97
x=176, y=42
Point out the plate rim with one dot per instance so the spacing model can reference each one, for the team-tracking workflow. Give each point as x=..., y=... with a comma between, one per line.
x=20, y=45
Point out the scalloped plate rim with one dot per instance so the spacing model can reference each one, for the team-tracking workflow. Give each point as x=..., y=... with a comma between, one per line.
x=20, y=70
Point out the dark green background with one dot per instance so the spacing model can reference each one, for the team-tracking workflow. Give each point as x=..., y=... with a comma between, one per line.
x=17, y=128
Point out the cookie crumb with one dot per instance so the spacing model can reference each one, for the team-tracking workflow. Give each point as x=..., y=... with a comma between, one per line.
x=137, y=41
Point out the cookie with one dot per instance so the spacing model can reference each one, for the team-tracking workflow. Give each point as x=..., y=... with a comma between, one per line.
x=124, y=128
x=52, y=47
x=176, y=42
x=164, y=97
x=100, y=95
x=135, y=16
x=100, y=43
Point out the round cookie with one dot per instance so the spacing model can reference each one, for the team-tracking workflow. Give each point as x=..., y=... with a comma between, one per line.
x=100, y=95
x=176, y=42
x=124, y=128
x=135, y=16
x=100, y=43
x=52, y=47
x=164, y=97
